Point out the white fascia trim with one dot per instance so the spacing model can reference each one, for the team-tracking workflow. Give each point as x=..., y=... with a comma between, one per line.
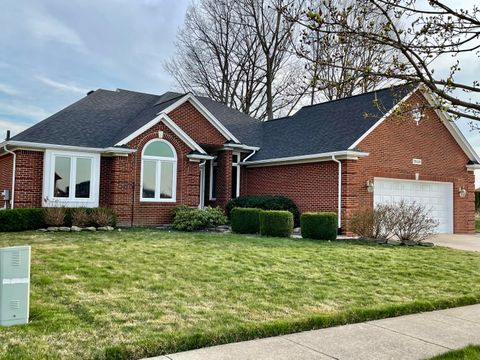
x=452, y=127
x=382, y=119
x=473, y=167
x=205, y=112
x=200, y=157
x=241, y=147
x=43, y=147
x=180, y=133
x=163, y=117
x=340, y=155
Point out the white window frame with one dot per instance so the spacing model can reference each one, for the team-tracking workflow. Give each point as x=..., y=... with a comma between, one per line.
x=159, y=160
x=49, y=200
x=213, y=164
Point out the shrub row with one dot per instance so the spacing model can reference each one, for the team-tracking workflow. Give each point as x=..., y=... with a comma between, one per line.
x=190, y=219
x=33, y=219
x=322, y=226
x=265, y=202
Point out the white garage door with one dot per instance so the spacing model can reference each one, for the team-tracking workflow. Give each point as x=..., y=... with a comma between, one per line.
x=437, y=197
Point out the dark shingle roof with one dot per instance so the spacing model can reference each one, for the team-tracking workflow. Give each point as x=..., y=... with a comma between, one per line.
x=104, y=118
x=327, y=127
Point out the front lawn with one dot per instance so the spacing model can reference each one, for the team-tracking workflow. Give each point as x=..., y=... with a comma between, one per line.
x=145, y=292
x=471, y=352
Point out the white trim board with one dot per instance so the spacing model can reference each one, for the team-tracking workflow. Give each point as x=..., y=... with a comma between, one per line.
x=381, y=120
x=339, y=155
x=164, y=115
x=449, y=124
x=171, y=125
x=205, y=112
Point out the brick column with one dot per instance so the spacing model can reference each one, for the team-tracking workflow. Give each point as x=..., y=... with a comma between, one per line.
x=224, y=178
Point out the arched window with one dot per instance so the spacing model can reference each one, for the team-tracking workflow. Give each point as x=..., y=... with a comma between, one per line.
x=159, y=172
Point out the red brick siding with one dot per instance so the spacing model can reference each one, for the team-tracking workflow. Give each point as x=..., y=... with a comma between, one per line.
x=29, y=179
x=224, y=178
x=394, y=144
x=121, y=186
x=190, y=120
x=6, y=166
x=313, y=186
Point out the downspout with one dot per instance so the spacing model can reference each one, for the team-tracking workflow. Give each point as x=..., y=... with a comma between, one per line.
x=249, y=156
x=339, y=191
x=12, y=203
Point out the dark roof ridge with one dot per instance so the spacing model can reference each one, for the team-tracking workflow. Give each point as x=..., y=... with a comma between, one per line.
x=357, y=95
x=171, y=99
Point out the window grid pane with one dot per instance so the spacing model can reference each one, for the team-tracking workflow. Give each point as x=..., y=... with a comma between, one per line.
x=62, y=177
x=149, y=179
x=83, y=178
x=166, y=180
x=159, y=148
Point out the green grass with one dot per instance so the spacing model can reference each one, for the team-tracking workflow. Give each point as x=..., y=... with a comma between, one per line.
x=471, y=352
x=477, y=225
x=141, y=293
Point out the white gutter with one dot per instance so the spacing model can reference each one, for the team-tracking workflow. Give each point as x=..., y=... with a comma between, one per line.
x=339, y=216
x=345, y=154
x=12, y=195
x=200, y=157
x=42, y=146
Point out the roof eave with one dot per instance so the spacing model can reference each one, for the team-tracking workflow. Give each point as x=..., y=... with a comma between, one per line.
x=320, y=157
x=43, y=146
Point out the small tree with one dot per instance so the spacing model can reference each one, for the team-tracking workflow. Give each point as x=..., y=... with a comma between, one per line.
x=407, y=221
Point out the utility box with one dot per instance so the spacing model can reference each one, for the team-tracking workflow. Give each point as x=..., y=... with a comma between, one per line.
x=14, y=285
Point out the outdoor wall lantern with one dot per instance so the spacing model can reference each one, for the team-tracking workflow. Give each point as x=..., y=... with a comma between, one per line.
x=370, y=186
x=462, y=192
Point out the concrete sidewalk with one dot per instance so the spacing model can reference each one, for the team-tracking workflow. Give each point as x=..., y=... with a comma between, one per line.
x=418, y=336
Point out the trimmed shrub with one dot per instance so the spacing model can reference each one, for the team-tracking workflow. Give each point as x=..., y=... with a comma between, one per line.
x=103, y=217
x=54, y=216
x=265, y=202
x=190, y=219
x=278, y=223
x=245, y=220
x=80, y=217
x=320, y=226
x=21, y=220
x=369, y=223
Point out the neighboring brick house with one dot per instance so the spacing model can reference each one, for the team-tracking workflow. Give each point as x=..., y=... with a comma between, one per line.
x=144, y=154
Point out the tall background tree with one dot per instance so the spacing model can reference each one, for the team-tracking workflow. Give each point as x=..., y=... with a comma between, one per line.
x=426, y=37
x=255, y=55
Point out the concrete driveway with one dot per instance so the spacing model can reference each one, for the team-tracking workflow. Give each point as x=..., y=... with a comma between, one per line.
x=470, y=242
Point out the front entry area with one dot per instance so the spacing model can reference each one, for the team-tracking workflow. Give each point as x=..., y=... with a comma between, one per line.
x=437, y=197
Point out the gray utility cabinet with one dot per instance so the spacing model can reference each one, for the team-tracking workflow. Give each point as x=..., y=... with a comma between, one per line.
x=14, y=285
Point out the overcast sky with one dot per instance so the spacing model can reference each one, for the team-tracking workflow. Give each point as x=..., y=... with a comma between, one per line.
x=53, y=51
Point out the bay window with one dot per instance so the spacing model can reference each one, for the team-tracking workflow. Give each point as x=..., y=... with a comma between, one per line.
x=71, y=179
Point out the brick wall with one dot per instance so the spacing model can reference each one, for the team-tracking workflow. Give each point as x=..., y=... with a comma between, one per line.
x=29, y=179
x=121, y=182
x=190, y=120
x=394, y=144
x=312, y=186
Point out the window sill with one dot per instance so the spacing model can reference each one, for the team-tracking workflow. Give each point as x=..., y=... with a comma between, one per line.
x=161, y=201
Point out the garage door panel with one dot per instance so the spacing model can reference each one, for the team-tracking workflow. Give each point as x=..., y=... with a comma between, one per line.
x=436, y=197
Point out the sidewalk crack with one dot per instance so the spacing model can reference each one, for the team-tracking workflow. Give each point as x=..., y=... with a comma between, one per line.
x=309, y=348
x=410, y=336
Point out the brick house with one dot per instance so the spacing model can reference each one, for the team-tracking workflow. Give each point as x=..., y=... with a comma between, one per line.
x=144, y=154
